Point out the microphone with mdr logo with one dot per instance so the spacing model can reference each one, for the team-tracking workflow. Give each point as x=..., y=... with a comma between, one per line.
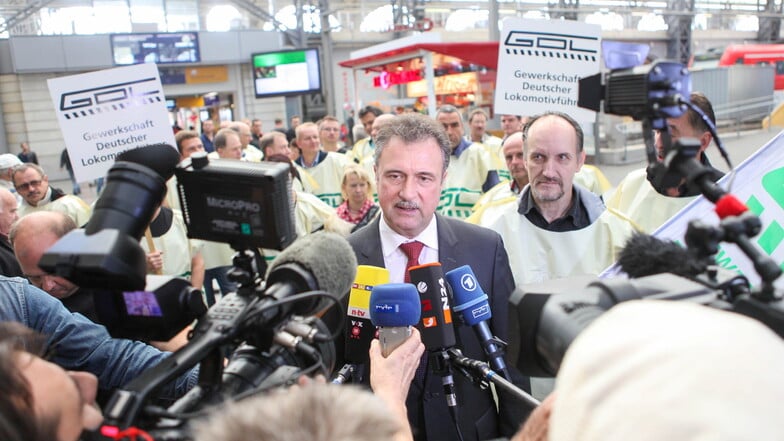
x=474, y=310
x=394, y=309
x=359, y=329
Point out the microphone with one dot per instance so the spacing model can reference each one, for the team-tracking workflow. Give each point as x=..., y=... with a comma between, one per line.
x=326, y=257
x=436, y=327
x=438, y=333
x=359, y=330
x=645, y=255
x=474, y=310
x=318, y=261
x=394, y=308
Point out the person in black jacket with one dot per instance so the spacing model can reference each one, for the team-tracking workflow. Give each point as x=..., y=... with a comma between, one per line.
x=27, y=155
x=412, y=157
x=8, y=265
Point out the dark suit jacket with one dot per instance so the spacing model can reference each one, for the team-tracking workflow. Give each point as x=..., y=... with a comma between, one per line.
x=9, y=266
x=459, y=243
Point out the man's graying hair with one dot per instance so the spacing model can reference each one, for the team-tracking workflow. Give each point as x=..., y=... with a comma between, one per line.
x=411, y=128
x=315, y=412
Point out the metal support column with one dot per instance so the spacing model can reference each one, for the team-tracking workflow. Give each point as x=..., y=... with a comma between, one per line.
x=770, y=22
x=679, y=30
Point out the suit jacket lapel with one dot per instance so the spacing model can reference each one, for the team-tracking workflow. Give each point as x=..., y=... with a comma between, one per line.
x=447, y=244
x=370, y=244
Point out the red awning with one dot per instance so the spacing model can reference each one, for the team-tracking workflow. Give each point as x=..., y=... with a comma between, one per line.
x=481, y=53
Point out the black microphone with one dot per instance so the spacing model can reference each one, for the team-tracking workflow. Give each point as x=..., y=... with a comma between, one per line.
x=645, y=255
x=318, y=261
x=359, y=329
x=436, y=326
x=474, y=310
x=438, y=333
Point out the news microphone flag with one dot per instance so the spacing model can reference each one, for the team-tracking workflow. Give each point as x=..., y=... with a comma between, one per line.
x=394, y=309
x=471, y=303
x=436, y=324
x=359, y=329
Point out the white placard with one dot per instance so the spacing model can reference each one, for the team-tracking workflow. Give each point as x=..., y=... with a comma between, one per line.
x=104, y=113
x=540, y=63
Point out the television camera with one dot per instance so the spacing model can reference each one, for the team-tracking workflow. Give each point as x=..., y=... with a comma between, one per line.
x=545, y=319
x=268, y=329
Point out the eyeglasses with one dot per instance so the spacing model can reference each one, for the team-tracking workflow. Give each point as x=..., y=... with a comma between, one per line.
x=28, y=185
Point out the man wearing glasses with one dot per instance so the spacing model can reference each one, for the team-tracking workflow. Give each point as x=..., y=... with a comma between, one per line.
x=32, y=184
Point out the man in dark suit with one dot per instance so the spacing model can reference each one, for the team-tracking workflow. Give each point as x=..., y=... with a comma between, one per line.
x=412, y=155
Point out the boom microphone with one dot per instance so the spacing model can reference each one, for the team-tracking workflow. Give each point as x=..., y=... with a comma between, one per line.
x=645, y=255
x=327, y=257
x=394, y=308
x=472, y=306
x=436, y=325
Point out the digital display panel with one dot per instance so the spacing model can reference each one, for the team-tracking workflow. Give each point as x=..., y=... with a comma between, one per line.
x=286, y=73
x=142, y=304
x=168, y=48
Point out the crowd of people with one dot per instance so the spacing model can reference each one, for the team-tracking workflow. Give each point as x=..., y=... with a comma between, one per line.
x=519, y=208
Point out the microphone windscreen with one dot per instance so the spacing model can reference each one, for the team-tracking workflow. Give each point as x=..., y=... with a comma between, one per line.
x=328, y=256
x=161, y=158
x=435, y=325
x=470, y=301
x=394, y=305
x=645, y=255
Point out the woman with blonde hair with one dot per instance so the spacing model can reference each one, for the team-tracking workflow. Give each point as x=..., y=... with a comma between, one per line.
x=358, y=206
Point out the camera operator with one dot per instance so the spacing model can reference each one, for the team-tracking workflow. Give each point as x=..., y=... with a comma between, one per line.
x=30, y=237
x=79, y=344
x=649, y=207
x=328, y=412
x=663, y=370
x=40, y=400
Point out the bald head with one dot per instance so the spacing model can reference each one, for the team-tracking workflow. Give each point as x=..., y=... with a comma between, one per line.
x=31, y=236
x=380, y=121
x=8, y=214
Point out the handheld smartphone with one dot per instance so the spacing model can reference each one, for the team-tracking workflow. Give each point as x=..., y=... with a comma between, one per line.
x=391, y=337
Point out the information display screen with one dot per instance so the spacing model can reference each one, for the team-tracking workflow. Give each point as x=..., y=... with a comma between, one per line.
x=169, y=48
x=286, y=73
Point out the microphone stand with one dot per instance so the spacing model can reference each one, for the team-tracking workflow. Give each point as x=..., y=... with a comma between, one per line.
x=480, y=370
x=443, y=368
